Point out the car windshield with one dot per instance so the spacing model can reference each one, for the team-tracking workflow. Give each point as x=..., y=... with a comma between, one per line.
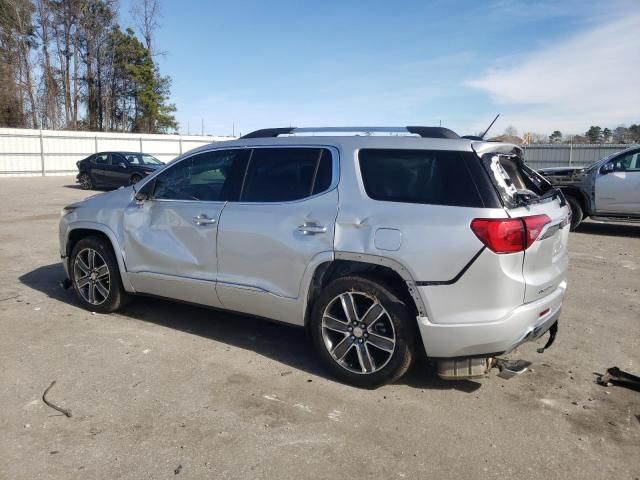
x=141, y=159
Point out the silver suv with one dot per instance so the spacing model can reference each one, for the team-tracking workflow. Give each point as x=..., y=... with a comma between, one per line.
x=384, y=247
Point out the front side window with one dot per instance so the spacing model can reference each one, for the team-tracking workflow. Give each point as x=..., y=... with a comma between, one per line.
x=625, y=163
x=418, y=176
x=286, y=174
x=142, y=159
x=210, y=176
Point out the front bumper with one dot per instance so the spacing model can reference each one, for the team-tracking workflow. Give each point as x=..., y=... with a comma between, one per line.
x=526, y=323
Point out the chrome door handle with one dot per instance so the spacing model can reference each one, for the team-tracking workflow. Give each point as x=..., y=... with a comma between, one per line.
x=311, y=228
x=202, y=219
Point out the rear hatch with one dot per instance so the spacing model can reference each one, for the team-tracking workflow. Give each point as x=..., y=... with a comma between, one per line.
x=527, y=195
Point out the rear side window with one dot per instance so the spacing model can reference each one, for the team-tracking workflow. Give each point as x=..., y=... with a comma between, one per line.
x=103, y=159
x=418, y=176
x=286, y=174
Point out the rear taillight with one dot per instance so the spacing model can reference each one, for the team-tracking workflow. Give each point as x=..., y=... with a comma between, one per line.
x=508, y=235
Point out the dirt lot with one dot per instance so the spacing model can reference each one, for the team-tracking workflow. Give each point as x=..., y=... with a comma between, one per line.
x=165, y=390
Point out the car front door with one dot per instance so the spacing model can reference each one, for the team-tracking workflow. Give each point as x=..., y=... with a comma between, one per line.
x=618, y=185
x=283, y=222
x=121, y=171
x=170, y=238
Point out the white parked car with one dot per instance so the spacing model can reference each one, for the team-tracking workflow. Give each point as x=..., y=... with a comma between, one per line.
x=377, y=245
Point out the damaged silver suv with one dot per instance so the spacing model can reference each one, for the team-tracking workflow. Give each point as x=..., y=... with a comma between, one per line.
x=384, y=247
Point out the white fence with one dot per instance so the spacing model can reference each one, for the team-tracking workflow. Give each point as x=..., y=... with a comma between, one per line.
x=565, y=154
x=26, y=152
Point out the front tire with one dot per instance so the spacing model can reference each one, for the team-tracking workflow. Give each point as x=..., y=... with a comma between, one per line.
x=363, y=331
x=576, y=212
x=96, y=277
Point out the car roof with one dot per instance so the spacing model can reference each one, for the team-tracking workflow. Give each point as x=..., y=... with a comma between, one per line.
x=346, y=143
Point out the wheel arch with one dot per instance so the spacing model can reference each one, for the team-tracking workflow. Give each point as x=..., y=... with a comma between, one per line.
x=577, y=193
x=81, y=230
x=347, y=263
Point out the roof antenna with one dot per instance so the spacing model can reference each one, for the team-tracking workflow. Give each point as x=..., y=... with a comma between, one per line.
x=489, y=127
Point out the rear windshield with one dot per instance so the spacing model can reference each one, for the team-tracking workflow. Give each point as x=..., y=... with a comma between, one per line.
x=516, y=183
x=419, y=176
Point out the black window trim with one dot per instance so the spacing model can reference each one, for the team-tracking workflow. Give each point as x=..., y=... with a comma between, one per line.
x=335, y=174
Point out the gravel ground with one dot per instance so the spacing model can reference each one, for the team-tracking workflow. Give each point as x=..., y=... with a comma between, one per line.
x=164, y=390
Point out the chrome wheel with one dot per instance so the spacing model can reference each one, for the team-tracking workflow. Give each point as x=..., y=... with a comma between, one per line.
x=358, y=332
x=91, y=276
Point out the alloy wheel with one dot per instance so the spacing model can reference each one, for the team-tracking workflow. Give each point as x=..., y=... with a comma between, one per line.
x=85, y=181
x=91, y=276
x=358, y=332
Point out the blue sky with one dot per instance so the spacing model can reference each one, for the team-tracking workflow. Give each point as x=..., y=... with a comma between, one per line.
x=543, y=65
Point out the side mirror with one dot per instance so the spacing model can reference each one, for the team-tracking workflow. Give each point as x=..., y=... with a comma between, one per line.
x=142, y=196
x=607, y=168
x=123, y=165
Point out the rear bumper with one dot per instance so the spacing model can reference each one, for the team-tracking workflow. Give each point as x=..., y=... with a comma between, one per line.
x=523, y=324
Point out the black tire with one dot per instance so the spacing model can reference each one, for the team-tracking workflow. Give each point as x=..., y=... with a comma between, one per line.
x=134, y=179
x=85, y=181
x=117, y=297
x=385, y=369
x=576, y=212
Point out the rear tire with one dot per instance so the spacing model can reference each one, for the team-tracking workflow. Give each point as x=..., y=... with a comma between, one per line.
x=576, y=212
x=85, y=181
x=363, y=331
x=95, y=276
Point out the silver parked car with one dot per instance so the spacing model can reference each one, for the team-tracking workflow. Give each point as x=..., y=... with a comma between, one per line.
x=382, y=247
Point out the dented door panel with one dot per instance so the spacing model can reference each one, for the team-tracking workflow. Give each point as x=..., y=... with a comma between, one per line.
x=175, y=239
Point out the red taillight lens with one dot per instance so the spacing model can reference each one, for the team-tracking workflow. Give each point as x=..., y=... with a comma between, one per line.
x=508, y=235
x=504, y=235
x=534, y=225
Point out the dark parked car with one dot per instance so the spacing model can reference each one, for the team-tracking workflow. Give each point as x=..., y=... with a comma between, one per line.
x=115, y=169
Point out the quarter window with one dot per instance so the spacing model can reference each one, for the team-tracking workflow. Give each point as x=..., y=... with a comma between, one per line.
x=286, y=174
x=211, y=176
x=418, y=176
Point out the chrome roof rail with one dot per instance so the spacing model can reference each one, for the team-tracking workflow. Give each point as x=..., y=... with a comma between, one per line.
x=425, y=132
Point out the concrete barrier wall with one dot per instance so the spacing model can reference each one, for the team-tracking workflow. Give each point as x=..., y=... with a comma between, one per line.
x=25, y=152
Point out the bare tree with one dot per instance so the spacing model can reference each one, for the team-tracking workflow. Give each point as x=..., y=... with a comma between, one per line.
x=146, y=14
x=511, y=131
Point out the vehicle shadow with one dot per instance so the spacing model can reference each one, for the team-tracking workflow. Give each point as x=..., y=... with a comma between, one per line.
x=283, y=343
x=609, y=229
x=94, y=189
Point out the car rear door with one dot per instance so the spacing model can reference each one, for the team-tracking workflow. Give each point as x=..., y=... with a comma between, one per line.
x=545, y=215
x=170, y=239
x=284, y=219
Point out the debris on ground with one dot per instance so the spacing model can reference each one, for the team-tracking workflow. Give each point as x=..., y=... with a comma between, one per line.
x=52, y=405
x=177, y=470
x=615, y=376
x=510, y=368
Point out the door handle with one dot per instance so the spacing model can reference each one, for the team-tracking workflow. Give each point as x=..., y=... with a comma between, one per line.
x=202, y=219
x=311, y=228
